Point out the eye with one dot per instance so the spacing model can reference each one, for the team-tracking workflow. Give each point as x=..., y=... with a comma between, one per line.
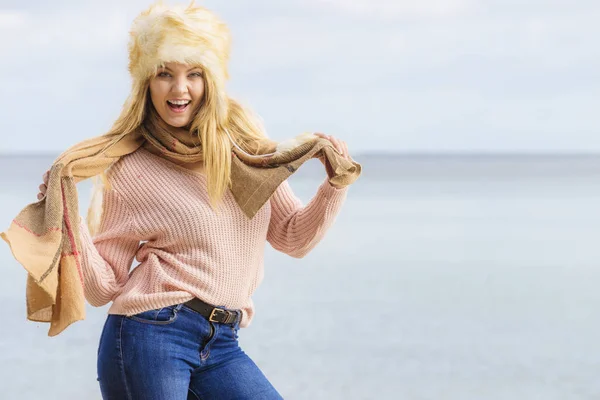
x=163, y=74
x=197, y=74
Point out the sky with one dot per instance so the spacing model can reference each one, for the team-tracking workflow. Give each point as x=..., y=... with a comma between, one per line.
x=392, y=76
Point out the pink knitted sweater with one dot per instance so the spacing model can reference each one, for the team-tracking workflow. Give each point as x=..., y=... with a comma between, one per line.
x=158, y=213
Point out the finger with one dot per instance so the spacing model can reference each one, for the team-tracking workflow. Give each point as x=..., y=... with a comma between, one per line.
x=42, y=188
x=46, y=176
x=345, y=147
x=340, y=146
x=337, y=145
x=323, y=136
x=40, y=196
x=335, y=142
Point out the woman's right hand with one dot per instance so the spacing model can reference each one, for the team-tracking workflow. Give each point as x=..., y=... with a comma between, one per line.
x=44, y=186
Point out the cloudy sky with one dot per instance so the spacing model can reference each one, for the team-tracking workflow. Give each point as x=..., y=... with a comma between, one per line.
x=396, y=75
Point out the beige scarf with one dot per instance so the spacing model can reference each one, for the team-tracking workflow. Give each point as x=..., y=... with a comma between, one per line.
x=44, y=236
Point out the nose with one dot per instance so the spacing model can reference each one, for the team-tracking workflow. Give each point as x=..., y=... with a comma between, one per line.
x=180, y=86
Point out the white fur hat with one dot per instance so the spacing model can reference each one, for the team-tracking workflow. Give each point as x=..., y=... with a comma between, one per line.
x=189, y=35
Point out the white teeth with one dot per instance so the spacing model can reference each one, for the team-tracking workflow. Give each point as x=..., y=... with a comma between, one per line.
x=179, y=102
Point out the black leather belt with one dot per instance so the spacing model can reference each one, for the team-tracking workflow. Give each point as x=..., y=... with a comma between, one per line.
x=214, y=314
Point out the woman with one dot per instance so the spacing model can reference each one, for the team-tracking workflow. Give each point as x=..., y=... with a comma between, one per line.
x=172, y=328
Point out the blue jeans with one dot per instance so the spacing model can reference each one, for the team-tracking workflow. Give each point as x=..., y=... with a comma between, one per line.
x=175, y=353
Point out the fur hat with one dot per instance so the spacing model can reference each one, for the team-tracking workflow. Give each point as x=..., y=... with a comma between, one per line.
x=189, y=35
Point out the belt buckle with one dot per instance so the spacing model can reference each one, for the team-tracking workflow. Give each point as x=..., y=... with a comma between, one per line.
x=214, y=311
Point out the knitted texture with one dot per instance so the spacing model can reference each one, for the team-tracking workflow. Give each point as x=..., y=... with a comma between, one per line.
x=159, y=213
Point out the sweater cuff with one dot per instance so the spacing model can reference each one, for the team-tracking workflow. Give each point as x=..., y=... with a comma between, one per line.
x=329, y=191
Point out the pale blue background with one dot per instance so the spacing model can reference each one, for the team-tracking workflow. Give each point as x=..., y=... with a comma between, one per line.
x=393, y=75
x=451, y=273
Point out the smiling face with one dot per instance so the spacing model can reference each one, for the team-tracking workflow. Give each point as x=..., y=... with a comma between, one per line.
x=176, y=92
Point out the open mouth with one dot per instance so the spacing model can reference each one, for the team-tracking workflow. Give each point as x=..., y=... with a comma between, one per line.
x=178, y=106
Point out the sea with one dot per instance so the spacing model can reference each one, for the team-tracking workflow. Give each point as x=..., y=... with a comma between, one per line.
x=444, y=276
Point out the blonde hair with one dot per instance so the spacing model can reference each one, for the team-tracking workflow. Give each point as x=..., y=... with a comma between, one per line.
x=243, y=125
x=195, y=36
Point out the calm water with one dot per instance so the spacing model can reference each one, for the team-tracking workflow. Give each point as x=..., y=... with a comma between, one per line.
x=442, y=278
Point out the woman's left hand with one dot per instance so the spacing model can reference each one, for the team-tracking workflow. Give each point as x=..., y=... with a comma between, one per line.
x=339, y=145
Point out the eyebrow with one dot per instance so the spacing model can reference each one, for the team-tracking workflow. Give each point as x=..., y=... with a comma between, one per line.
x=165, y=67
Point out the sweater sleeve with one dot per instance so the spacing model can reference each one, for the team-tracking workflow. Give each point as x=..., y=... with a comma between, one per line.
x=107, y=257
x=296, y=229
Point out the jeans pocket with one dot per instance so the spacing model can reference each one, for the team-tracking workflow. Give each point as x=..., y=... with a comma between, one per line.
x=161, y=316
